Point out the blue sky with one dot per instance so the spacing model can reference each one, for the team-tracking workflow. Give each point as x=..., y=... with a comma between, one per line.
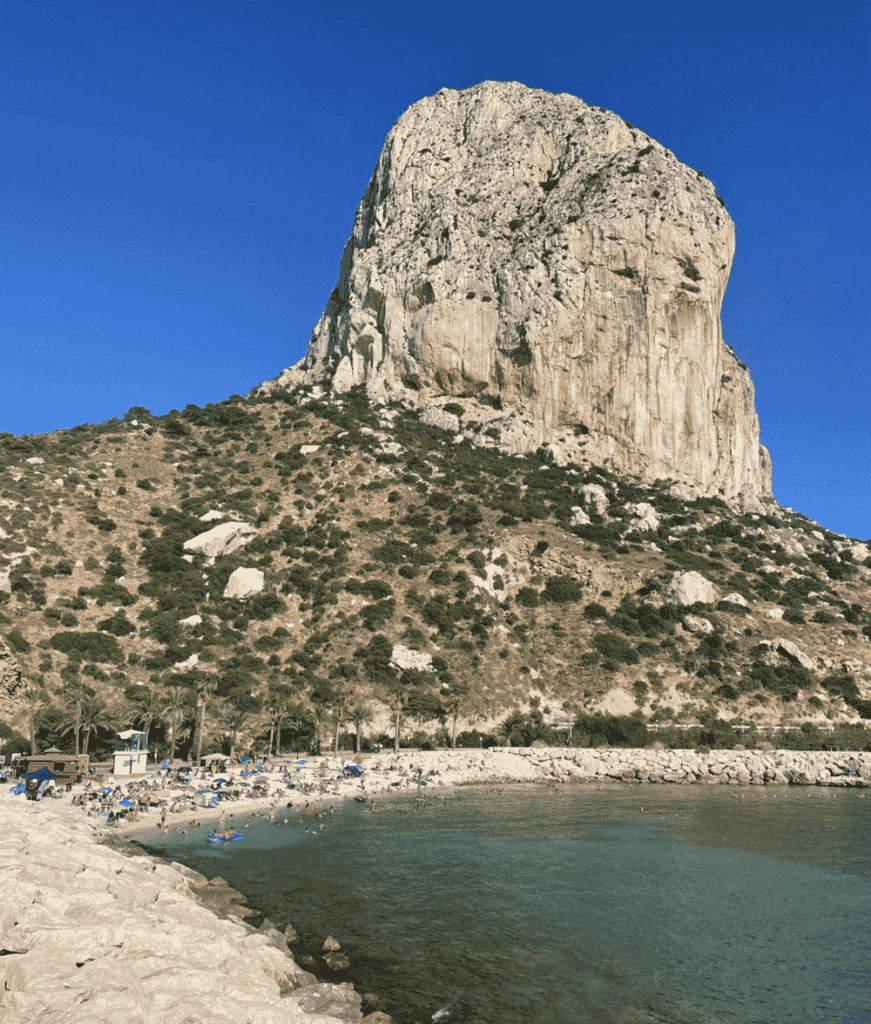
x=178, y=181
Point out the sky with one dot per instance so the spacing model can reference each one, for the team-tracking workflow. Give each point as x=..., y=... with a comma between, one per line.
x=179, y=179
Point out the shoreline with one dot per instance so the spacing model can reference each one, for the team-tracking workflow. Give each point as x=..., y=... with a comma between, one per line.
x=94, y=933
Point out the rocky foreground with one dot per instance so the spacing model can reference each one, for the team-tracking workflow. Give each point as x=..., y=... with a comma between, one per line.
x=90, y=935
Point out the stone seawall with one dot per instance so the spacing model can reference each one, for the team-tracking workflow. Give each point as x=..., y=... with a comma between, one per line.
x=730, y=767
x=92, y=936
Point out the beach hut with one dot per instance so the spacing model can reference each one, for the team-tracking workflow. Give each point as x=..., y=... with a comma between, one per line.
x=64, y=768
x=131, y=755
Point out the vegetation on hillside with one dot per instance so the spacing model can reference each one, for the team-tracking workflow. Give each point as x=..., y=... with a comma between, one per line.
x=375, y=532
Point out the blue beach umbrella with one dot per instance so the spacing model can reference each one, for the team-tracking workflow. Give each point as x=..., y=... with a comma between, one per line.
x=126, y=803
x=44, y=775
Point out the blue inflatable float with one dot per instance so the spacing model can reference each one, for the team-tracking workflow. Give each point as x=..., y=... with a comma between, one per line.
x=213, y=838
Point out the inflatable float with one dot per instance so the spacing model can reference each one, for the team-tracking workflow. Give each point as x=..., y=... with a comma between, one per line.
x=224, y=837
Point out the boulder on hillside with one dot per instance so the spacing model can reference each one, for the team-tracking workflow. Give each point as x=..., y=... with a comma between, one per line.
x=579, y=516
x=793, y=653
x=644, y=518
x=736, y=598
x=403, y=657
x=244, y=582
x=775, y=613
x=693, y=624
x=594, y=498
x=221, y=540
x=690, y=588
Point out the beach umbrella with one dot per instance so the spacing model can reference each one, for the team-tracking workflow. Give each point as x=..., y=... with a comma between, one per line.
x=126, y=803
x=43, y=775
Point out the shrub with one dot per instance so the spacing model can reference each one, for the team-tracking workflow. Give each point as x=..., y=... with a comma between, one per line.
x=615, y=647
x=562, y=590
x=17, y=641
x=527, y=597
x=93, y=646
x=594, y=610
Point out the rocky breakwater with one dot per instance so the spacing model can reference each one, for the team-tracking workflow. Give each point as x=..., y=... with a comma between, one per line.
x=558, y=270
x=93, y=936
x=728, y=767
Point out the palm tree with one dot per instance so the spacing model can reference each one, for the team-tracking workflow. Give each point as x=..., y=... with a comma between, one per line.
x=237, y=707
x=278, y=705
x=453, y=694
x=206, y=685
x=74, y=693
x=340, y=712
x=147, y=706
x=93, y=713
x=35, y=697
x=361, y=714
x=177, y=704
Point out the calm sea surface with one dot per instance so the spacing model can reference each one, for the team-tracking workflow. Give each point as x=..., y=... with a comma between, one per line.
x=681, y=904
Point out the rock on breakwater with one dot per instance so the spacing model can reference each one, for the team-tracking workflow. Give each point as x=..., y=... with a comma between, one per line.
x=93, y=936
x=735, y=767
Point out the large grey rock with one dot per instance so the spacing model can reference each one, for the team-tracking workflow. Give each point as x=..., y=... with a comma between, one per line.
x=690, y=588
x=526, y=245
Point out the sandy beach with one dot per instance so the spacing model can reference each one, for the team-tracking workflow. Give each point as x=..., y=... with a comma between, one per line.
x=92, y=935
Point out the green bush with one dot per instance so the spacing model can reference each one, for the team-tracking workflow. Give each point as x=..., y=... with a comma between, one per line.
x=562, y=590
x=93, y=646
x=527, y=597
x=616, y=648
x=17, y=641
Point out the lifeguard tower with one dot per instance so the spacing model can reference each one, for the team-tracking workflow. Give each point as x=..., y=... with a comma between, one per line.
x=131, y=755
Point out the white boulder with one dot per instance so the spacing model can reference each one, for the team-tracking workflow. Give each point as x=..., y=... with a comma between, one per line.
x=221, y=539
x=191, y=620
x=579, y=516
x=775, y=613
x=309, y=449
x=690, y=588
x=403, y=657
x=693, y=624
x=736, y=598
x=594, y=498
x=793, y=653
x=644, y=518
x=212, y=515
x=244, y=582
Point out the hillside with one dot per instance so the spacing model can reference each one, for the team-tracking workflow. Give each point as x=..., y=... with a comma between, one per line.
x=403, y=566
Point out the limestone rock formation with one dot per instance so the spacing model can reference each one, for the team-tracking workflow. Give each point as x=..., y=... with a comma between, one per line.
x=10, y=673
x=243, y=582
x=690, y=588
x=545, y=257
x=221, y=540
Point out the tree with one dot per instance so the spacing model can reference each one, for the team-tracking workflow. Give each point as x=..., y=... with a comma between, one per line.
x=323, y=697
x=360, y=715
x=177, y=705
x=397, y=693
x=35, y=697
x=146, y=707
x=238, y=706
x=94, y=713
x=74, y=693
x=454, y=693
x=205, y=686
x=278, y=705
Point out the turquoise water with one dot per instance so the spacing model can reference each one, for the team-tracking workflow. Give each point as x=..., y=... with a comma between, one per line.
x=680, y=904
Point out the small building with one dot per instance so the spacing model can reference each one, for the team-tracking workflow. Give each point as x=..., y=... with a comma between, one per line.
x=66, y=768
x=131, y=755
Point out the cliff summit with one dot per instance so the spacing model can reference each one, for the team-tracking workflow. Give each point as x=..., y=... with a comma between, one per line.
x=554, y=267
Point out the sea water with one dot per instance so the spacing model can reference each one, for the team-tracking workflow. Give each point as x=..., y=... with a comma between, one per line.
x=683, y=904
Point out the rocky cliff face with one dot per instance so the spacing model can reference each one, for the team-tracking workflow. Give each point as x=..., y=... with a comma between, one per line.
x=565, y=270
